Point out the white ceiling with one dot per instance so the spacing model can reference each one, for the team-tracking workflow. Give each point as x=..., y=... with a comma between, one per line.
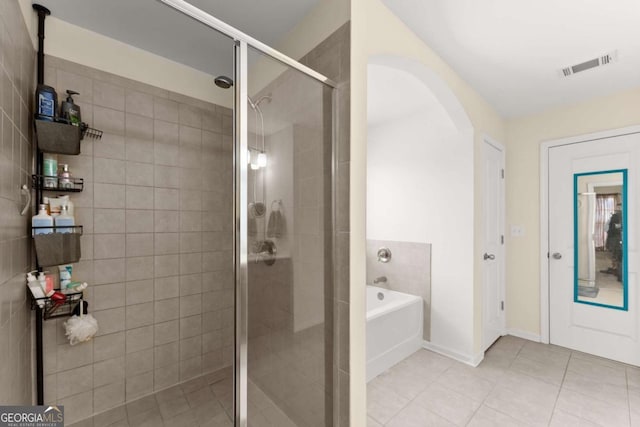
x=511, y=51
x=153, y=26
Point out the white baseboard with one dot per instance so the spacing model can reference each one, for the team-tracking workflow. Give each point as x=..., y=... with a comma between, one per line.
x=524, y=335
x=453, y=354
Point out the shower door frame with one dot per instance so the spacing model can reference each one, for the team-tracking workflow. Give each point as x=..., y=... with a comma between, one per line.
x=240, y=183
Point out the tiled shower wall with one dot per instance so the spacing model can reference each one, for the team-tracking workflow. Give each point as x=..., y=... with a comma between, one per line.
x=408, y=271
x=17, y=73
x=157, y=244
x=332, y=58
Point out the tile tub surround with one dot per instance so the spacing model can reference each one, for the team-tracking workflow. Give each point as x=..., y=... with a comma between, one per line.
x=408, y=271
x=17, y=86
x=157, y=243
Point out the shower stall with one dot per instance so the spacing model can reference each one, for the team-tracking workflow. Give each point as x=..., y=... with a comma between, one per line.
x=209, y=237
x=283, y=225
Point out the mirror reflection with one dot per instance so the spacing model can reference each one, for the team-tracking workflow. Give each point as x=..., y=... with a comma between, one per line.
x=600, y=235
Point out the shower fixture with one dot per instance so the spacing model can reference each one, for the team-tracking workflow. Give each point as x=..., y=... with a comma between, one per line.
x=223, y=82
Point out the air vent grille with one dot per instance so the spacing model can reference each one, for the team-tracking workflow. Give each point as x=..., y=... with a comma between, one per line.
x=587, y=65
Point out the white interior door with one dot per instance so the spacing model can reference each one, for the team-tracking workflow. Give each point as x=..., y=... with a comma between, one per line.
x=493, y=258
x=580, y=315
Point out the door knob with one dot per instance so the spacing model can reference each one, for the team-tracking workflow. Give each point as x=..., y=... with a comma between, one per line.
x=557, y=255
x=489, y=256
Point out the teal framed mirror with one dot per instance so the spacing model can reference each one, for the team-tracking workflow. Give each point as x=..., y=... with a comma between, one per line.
x=600, y=239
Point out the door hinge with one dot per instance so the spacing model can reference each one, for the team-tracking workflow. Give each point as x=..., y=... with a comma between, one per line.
x=547, y=255
x=502, y=305
x=502, y=173
x=502, y=239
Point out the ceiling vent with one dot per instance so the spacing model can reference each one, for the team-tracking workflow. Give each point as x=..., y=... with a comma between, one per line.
x=592, y=63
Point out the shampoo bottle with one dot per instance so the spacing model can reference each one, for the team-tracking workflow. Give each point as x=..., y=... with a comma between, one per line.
x=43, y=219
x=46, y=103
x=64, y=220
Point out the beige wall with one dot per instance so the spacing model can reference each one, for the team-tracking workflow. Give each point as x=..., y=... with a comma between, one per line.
x=524, y=136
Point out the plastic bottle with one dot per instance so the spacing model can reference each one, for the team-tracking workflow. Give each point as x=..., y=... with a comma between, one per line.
x=50, y=170
x=45, y=201
x=56, y=205
x=46, y=283
x=46, y=103
x=36, y=289
x=65, y=177
x=69, y=110
x=43, y=219
x=64, y=219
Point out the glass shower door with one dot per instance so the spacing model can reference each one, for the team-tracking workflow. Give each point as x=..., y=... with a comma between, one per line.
x=284, y=248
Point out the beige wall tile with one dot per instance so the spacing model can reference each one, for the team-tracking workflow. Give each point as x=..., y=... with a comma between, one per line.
x=109, y=346
x=166, y=176
x=139, y=150
x=139, y=174
x=139, y=362
x=110, y=321
x=108, y=296
x=166, y=376
x=166, y=132
x=139, y=268
x=139, y=385
x=166, y=332
x=166, y=354
x=139, y=244
x=108, y=221
x=138, y=127
x=139, y=339
x=108, y=246
x=190, y=305
x=165, y=109
x=108, y=396
x=166, y=287
x=139, y=221
x=108, y=120
x=139, y=315
x=191, y=326
x=108, y=95
x=166, y=265
x=139, y=291
x=139, y=103
x=75, y=381
x=108, y=371
x=109, y=271
x=167, y=243
x=110, y=171
x=110, y=196
x=166, y=309
x=139, y=197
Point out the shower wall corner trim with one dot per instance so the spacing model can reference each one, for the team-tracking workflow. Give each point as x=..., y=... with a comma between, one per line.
x=218, y=25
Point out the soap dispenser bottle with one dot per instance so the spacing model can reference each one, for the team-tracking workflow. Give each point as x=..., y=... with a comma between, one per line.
x=69, y=110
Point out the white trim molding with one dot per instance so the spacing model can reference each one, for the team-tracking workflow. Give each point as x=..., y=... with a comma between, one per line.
x=525, y=335
x=471, y=360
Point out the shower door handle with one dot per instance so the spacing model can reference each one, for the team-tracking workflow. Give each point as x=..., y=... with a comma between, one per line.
x=489, y=256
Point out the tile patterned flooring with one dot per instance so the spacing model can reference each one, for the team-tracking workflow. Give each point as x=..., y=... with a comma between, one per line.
x=519, y=383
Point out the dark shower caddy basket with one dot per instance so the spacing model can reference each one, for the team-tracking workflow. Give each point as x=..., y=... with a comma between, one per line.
x=53, y=309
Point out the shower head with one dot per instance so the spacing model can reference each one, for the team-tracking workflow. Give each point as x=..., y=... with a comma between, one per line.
x=256, y=105
x=223, y=82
